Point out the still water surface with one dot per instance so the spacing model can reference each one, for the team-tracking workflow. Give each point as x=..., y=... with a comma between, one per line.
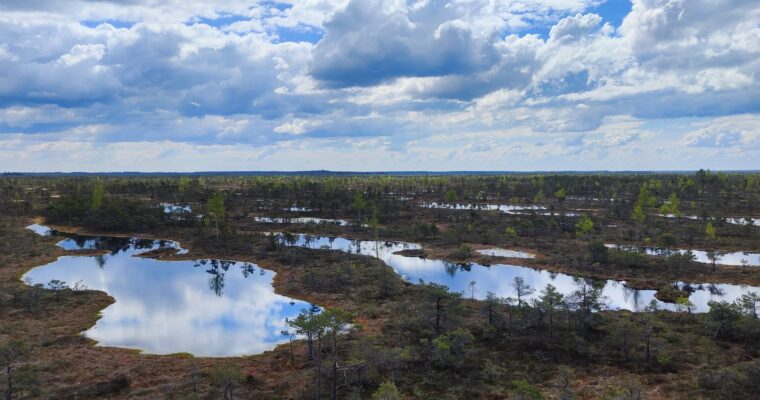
x=738, y=258
x=497, y=252
x=226, y=308
x=498, y=278
x=301, y=220
x=505, y=208
x=202, y=307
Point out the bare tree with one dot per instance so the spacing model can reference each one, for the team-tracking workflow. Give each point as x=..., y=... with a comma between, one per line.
x=227, y=376
x=11, y=353
x=522, y=289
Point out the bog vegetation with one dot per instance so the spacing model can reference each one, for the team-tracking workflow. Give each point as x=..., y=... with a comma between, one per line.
x=373, y=335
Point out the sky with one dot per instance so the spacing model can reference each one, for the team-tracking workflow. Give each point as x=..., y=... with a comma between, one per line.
x=371, y=85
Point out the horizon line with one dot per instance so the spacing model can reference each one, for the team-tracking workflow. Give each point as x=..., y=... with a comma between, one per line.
x=389, y=172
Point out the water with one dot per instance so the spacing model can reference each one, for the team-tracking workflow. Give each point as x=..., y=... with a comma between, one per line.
x=498, y=278
x=729, y=220
x=170, y=208
x=588, y=198
x=110, y=243
x=301, y=220
x=743, y=221
x=496, y=252
x=202, y=307
x=505, y=208
x=295, y=208
x=117, y=244
x=179, y=212
x=737, y=258
x=40, y=229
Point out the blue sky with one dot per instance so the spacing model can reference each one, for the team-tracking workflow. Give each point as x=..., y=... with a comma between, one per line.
x=188, y=85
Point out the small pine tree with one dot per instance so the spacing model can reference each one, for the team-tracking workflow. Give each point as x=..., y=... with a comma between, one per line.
x=560, y=194
x=539, y=197
x=215, y=208
x=387, y=391
x=97, y=195
x=450, y=196
x=584, y=226
x=638, y=216
x=710, y=231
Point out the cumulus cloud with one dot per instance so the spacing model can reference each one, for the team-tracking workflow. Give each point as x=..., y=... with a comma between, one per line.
x=734, y=131
x=402, y=75
x=574, y=28
x=375, y=40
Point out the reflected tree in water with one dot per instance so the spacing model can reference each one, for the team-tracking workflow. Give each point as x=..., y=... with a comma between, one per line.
x=715, y=290
x=80, y=241
x=632, y=295
x=247, y=269
x=145, y=244
x=451, y=268
x=216, y=283
x=100, y=259
x=216, y=270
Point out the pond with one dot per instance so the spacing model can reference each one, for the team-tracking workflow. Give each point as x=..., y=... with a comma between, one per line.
x=301, y=220
x=170, y=208
x=179, y=212
x=743, y=221
x=729, y=220
x=295, y=208
x=505, y=208
x=203, y=307
x=736, y=258
x=496, y=252
x=498, y=278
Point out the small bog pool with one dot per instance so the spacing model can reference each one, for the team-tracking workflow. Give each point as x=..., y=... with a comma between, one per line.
x=477, y=280
x=203, y=307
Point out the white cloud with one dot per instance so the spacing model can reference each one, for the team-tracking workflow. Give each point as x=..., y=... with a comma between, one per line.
x=574, y=28
x=735, y=131
x=83, y=52
x=396, y=74
x=296, y=127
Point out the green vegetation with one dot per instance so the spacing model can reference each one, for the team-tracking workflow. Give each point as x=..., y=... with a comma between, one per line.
x=584, y=226
x=451, y=196
x=379, y=336
x=215, y=209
